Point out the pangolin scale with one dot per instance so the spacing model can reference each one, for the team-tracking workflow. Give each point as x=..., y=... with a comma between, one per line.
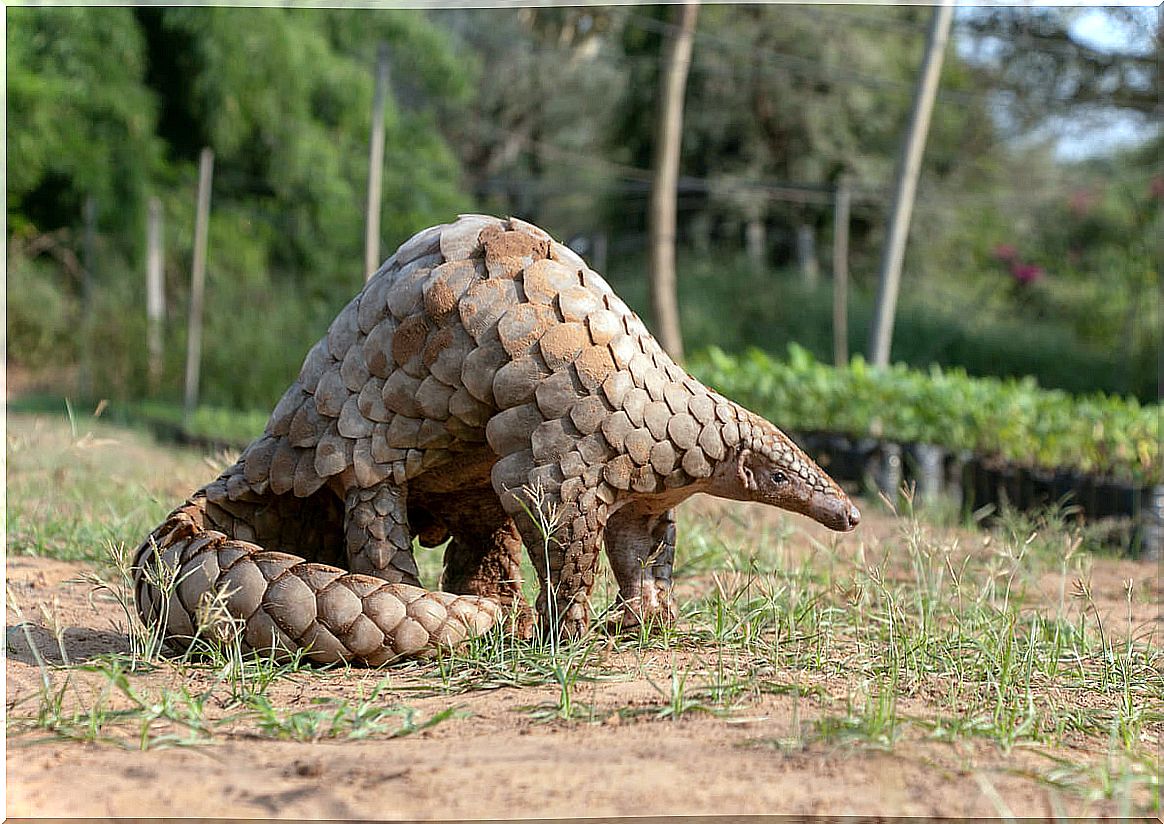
x=484, y=376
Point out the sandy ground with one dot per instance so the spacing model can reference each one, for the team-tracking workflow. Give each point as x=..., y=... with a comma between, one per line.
x=494, y=759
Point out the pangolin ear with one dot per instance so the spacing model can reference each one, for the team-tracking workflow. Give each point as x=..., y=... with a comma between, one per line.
x=744, y=471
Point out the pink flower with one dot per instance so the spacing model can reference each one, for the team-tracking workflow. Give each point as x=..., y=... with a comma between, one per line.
x=1156, y=188
x=1026, y=273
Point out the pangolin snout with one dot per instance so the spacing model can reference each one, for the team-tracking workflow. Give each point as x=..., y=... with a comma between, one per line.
x=836, y=513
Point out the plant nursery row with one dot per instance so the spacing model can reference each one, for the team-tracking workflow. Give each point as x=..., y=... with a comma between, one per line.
x=985, y=442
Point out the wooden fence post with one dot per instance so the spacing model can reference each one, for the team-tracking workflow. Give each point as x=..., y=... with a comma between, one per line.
x=908, y=168
x=841, y=272
x=662, y=216
x=198, y=285
x=376, y=166
x=155, y=293
x=88, y=264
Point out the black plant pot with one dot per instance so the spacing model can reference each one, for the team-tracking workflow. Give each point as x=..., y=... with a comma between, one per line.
x=1086, y=496
x=1010, y=480
x=958, y=479
x=1028, y=496
x=1148, y=541
x=1065, y=488
x=1039, y=487
x=1115, y=498
x=1100, y=500
x=925, y=467
x=981, y=486
x=883, y=470
x=849, y=458
x=823, y=447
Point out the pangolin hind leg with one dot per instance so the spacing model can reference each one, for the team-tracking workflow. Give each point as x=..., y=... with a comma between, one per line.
x=640, y=545
x=484, y=556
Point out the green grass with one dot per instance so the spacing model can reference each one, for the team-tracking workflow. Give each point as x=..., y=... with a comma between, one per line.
x=1015, y=641
x=73, y=488
x=209, y=424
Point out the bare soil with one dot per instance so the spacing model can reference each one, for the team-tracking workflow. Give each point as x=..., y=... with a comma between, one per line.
x=495, y=759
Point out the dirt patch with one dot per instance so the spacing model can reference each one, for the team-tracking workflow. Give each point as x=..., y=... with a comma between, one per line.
x=494, y=760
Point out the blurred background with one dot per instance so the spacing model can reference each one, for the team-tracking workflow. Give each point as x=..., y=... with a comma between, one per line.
x=1033, y=249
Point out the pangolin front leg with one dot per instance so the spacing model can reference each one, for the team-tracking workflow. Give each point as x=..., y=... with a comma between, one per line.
x=376, y=533
x=561, y=525
x=640, y=545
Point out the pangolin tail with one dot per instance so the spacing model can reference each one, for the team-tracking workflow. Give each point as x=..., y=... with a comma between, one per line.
x=194, y=582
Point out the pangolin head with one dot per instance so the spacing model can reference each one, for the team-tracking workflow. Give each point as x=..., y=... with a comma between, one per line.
x=768, y=467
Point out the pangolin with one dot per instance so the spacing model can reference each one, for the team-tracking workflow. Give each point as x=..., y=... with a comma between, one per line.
x=489, y=389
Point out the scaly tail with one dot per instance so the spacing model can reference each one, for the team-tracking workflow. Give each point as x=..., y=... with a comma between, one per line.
x=281, y=603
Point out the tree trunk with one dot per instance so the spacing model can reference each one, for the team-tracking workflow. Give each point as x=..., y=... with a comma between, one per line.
x=198, y=285
x=841, y=273
x=376, y=166
x=664, y=185
x=908, y=168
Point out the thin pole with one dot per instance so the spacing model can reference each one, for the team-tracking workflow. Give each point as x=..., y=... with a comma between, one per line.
x=376, y=165
x=841, y=272
x=908, y=167
x=806, y=254
x=89, y=254
x=198, y=284
x=664, y=182
x=155, y=293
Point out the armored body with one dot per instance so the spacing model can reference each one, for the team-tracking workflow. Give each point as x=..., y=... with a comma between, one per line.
x=485, y=388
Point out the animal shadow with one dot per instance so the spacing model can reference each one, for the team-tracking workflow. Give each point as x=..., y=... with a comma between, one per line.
x=80, y=643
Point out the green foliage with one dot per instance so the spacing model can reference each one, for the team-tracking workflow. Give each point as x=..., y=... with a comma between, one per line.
x=110, y=102
x=42, y=313
x=534, y=110
x=552, y=84
x=1087, y=237
x=80, y=118
x=117, y=104
x=1012, y=418
x=289, y=124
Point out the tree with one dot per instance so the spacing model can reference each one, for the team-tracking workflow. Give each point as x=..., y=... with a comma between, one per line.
x=1041, y=61
x=118, y=103
x=548, y=89
x=81, y=120
x=668, y=137
x=783, y=95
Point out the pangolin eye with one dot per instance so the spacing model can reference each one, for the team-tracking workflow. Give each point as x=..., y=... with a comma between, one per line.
x=779, y=478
